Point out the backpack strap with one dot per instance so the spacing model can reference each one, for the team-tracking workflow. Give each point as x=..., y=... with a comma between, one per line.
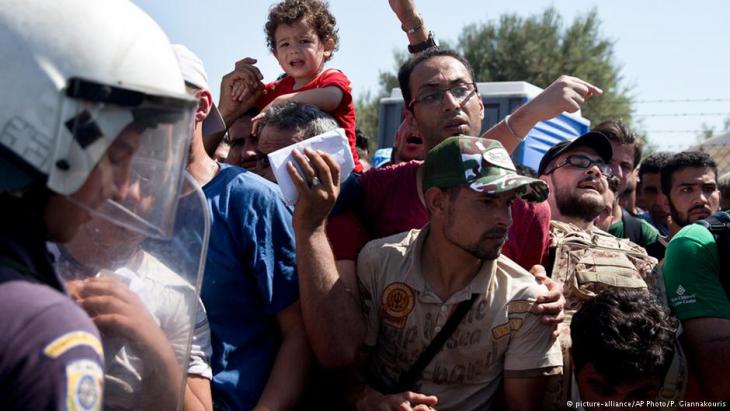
x=719, y=226
x=632, y=227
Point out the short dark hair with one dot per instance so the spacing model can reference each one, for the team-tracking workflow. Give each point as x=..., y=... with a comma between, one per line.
x=625, y=334
x=619, y=132
x=314, y=12
x=404, y=73
x=295, y=116
x=654, y=163
x=682, y=160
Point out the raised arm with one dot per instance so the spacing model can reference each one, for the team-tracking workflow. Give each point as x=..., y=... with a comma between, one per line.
x=328, y=291
x=566, y=94
x=326, y=99
x=239, y=91
x=410, y=20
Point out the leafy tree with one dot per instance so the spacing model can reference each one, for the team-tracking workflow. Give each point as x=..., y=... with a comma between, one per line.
x=367, y=105
x=538, y=49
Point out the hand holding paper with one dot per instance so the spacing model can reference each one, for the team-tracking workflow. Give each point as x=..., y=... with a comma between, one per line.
x=333, y=143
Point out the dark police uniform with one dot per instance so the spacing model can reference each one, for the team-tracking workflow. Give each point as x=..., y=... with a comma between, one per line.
x=50, y=354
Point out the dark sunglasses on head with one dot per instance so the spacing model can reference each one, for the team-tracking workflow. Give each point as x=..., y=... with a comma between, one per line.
x=582, y=161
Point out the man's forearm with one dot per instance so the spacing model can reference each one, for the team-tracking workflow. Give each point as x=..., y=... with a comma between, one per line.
x=291, y=367
x=329, y=304
x=410, y=20
x=520, y=122
x=161, y=378
x=197, y=394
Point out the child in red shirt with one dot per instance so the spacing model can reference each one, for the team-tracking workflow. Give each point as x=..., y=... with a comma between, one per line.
x=302, y=36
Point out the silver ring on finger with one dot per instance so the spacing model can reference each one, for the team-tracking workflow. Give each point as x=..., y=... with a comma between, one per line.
x=316, y=182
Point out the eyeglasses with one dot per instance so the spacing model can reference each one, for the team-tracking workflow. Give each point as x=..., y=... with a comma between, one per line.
x=461, y=92
x=581, y=161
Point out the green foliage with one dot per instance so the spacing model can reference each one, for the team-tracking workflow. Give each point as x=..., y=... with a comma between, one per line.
x=367, y=105
x=366, y=115
x=538, y=49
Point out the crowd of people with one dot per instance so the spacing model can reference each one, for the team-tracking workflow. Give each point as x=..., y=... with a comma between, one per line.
x=148, y=260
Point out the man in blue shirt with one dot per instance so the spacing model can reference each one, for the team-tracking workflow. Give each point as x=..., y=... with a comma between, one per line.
x=250, y=288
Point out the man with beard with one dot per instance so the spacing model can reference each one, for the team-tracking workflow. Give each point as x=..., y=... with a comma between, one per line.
x=576, y=173
x=584, y=258
x=626, y=156
x=439, y=86
x=689, y=180
x=693, y=272
x=412, y=283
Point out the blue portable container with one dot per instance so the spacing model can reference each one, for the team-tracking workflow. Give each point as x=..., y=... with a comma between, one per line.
x=500, y=99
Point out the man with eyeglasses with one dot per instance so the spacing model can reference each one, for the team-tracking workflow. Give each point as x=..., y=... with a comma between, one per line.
x=626, y=156
x=439, y=87
x=584, y=258
x=575, y=171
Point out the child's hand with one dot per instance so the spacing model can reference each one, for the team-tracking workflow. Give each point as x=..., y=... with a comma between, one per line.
x=256, y=120
x=239, y=90
x=248, y=79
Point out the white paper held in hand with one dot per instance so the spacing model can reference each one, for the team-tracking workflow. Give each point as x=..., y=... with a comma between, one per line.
x=332, y=142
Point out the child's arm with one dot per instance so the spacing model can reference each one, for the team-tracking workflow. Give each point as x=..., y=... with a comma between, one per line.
x=326, y=99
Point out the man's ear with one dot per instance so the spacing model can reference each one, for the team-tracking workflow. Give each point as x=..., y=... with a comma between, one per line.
x=205, y=104
x=329, y=47
x=436, y=200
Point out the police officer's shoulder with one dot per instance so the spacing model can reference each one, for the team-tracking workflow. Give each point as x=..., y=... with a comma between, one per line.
x=44, y=314
x=52, y=348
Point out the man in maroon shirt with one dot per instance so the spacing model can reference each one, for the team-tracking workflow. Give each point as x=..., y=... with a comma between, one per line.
x=439, y=86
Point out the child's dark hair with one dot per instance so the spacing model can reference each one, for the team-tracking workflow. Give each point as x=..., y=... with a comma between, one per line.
x=314, y=12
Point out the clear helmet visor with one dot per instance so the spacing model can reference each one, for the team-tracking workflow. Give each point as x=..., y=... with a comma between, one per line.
x=125, y=162
x=143, y=295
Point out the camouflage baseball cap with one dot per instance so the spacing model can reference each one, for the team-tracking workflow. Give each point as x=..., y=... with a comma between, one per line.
x=482, y=164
